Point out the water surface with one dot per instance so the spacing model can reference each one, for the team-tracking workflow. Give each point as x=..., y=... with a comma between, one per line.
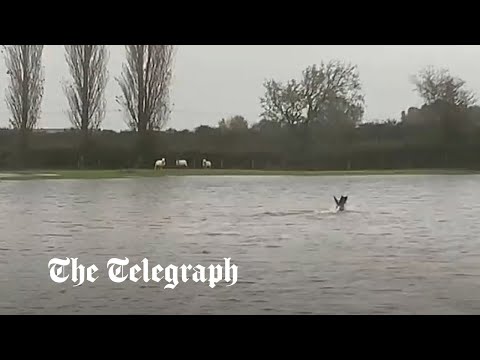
x=405, y=245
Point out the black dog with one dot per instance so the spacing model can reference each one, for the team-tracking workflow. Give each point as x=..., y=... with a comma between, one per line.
x=341, y=203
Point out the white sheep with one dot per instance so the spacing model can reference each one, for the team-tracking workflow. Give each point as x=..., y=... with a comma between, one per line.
x=206, y=163
x=182, y=163
x=160, y=163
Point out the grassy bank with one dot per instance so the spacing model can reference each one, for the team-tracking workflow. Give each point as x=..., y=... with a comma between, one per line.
x=117, y=174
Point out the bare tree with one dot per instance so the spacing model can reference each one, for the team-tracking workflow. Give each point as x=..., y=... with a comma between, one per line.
x=327, y=93
x=439, y=85
x=26, y=85
x=333, y=92
x=25, y=90
x=145, y=84
x=284, y=104
x=86, y=92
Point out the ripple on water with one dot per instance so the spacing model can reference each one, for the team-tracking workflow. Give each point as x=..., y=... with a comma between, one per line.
x=225, y=233
x=57, y=235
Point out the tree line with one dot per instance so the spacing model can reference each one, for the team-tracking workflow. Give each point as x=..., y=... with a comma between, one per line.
x=144, y=84
x=313, y=122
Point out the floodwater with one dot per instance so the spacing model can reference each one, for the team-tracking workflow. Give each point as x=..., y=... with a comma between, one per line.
x=404, y=245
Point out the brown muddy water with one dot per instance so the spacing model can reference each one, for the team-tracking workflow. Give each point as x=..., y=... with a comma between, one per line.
x=405, y=244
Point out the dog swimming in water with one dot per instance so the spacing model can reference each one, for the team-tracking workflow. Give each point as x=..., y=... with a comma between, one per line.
x=341, y=203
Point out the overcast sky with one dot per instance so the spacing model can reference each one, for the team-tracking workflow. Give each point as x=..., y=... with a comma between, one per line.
x=215, y=81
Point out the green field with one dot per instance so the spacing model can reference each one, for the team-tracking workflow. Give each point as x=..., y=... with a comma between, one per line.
x=114, y=174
